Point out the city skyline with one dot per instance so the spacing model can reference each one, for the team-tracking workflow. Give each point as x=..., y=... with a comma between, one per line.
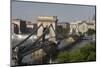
x=65, y=12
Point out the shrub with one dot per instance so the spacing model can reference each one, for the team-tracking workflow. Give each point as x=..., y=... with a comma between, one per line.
x=86, y=53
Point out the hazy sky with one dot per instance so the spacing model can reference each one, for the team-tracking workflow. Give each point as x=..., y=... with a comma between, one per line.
x=66, y=13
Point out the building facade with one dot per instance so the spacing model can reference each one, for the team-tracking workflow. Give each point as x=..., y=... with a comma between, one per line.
x=19, y=26
x=30, y=27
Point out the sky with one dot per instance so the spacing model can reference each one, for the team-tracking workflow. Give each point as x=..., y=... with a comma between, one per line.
x=65, y=12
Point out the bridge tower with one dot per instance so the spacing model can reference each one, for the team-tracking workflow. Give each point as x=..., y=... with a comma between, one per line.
x=74, y=27
x=46, y=21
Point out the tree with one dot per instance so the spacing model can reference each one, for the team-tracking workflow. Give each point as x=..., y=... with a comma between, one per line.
x=62, y=31
x=91, y=32
x=89, y=52
x=76, y=56
x=63, y=57
x=92, y=56
x=86, y=53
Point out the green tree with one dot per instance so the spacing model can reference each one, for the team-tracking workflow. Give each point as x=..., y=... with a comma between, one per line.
x=86, y=53
x=92, y=56
x=62, y=31
x=76, y=56
x=63, y=57
x=91, y=32
x=89, y=52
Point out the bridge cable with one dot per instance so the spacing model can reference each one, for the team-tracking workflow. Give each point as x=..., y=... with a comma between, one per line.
x=27, y=37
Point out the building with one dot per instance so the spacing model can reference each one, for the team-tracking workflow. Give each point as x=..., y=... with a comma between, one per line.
x=31, y=27
x=29, y=24
x=18, y=26
x=91, y=24
x=22, y=27
x=83, y=27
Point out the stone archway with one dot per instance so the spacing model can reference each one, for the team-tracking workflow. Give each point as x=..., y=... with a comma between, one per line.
x=74, y=29
x=46, y=21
